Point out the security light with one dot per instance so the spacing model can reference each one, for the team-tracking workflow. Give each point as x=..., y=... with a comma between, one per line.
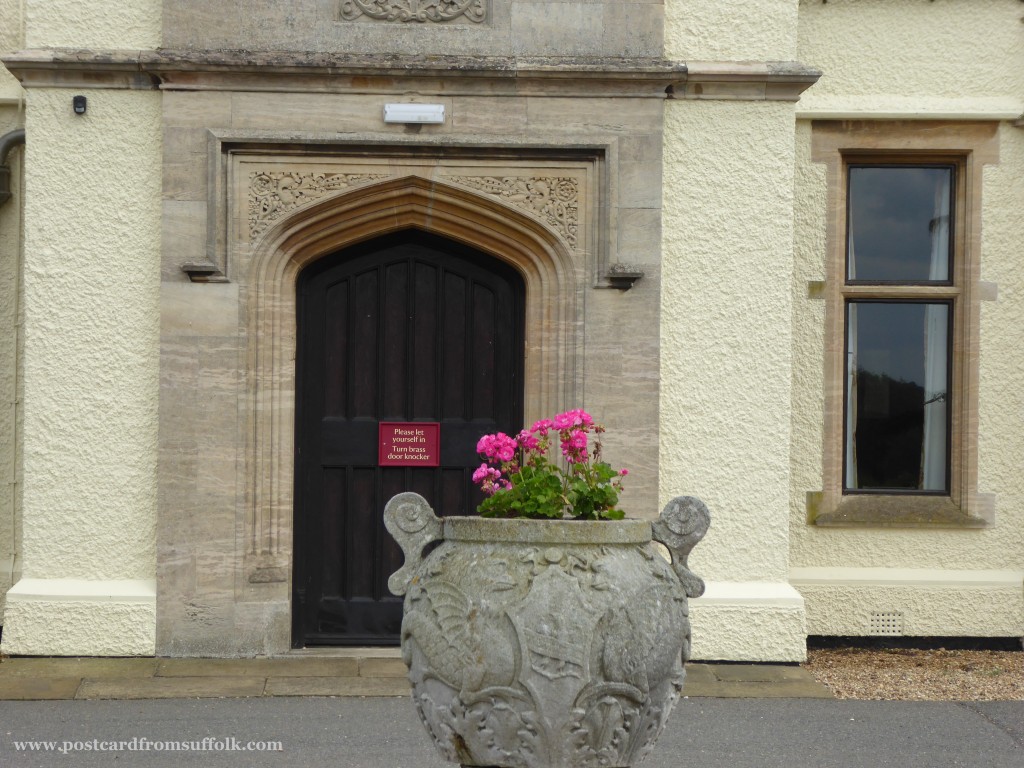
x=414, y=113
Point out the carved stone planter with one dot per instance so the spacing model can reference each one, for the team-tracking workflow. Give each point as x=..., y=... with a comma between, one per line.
x=545, y=643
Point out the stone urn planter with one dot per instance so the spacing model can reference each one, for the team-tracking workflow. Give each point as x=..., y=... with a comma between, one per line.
x=545, y=643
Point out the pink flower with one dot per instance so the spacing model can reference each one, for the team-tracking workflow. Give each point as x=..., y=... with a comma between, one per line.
x=624, y=472
x=542, y=427
x=575, y=455
x=527, y=441
x=577, y=417
x=490, y=479
x=483, y=471
x=498, y=447
x=577, y=439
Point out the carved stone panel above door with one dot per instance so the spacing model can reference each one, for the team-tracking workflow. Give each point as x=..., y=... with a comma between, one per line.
x=583, y=28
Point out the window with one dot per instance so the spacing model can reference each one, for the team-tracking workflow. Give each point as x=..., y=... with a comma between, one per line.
x=899, y=235
x=902, y=293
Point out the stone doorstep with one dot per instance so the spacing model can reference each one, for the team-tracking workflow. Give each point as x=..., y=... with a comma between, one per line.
x=337, y=686
x=261, y=667
x=172, y=688
x=57, y=667
x=758, y=673
x=348, y=673
x=752, y=681
x=23, y=688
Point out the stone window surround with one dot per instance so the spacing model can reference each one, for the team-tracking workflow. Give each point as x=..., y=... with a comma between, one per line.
x=969, y=147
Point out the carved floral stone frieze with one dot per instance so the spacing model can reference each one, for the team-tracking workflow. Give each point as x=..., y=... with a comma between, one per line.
x=555, y=199
x=275, y=193
x=415, y=10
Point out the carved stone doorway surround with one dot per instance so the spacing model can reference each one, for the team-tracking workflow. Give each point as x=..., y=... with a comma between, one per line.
x=540, y=215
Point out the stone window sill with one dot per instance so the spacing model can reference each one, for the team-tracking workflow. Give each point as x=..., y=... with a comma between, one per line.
x=897, y=511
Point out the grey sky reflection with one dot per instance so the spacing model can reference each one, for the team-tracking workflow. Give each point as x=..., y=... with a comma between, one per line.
x=891, y=213
x=891, y=339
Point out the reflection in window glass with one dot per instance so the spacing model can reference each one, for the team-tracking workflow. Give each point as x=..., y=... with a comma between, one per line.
x=899, y=223
x=897, y=384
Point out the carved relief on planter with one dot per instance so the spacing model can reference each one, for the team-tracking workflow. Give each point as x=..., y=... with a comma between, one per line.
x=544, y=643
x=414, y=10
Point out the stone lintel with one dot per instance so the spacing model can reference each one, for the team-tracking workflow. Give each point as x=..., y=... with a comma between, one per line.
x=745, y=80
x=397, y=73
x=362, y=73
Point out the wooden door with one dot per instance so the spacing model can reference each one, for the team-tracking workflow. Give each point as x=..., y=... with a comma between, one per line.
x=408, y=327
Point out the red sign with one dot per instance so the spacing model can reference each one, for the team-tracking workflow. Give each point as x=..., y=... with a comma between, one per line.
x=409, y=444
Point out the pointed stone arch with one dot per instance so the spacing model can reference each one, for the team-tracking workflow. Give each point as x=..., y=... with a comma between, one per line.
x=553, y=343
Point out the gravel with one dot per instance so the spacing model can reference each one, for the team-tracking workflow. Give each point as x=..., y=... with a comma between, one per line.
x=919, y=675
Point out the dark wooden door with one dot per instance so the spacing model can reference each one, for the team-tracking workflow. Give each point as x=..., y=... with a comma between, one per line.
x=409, y=327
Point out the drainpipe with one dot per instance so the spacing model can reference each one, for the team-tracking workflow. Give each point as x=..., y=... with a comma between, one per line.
x=7, y=142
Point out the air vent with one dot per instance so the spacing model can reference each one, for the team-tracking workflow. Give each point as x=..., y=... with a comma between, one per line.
x=886, y=623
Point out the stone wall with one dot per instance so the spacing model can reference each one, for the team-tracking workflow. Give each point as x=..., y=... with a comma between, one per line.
x=483, y=177
x=471, y=28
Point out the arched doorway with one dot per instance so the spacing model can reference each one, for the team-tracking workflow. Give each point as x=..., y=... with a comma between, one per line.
x=408, y=327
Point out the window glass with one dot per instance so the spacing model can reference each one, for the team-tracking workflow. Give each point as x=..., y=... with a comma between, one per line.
x=899, y=224
x=897, y=385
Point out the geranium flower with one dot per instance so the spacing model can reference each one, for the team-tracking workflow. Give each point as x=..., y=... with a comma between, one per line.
x=498, y=447
x=574, y=418
x=528, y=441
x=521, y=478
x=541, y=427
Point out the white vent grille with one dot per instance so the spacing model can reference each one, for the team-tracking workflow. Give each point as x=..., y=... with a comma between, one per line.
x=886, y=623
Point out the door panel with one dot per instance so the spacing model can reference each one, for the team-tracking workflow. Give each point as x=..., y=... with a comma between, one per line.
x=409, y=327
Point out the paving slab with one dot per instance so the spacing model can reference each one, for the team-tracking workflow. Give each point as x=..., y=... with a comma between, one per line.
x=171, y=688
x=759, y=673
x=787, y=690
x=700, y=681
x=77, y=667
x=382, y=668
x=261, y=667
x=338, y=686
x=751, y=681
x=364, y=652
x=20, y=688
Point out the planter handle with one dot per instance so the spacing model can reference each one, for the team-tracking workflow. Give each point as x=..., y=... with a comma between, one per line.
x=682, y=523
x=413, y=524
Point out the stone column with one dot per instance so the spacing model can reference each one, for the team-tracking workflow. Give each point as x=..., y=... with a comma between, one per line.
x=727, y=315
x=10, y=302
x=91, y=331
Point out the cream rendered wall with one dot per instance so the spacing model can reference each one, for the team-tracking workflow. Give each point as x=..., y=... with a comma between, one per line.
x=731, y=30
x=91, y=308
x=11, y=117
x=923, y=60
x=952, y=58
x=93, y=24
x=726, y=351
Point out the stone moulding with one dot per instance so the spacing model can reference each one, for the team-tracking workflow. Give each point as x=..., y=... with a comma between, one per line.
x=745, y=81
x=414, y=10
x=268, y=279
x=272, y=194
x=555, y=200
x=394, y=73
x=300, y=71
x=554, y=643
x=552, y=199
